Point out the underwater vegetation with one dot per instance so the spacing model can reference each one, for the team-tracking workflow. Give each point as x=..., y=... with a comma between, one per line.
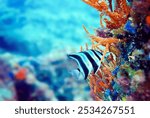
x=116, y=63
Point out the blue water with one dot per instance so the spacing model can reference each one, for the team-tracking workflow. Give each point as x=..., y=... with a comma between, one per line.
x=34, y=27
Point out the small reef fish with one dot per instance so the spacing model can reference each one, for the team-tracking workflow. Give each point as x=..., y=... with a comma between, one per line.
x=88, y=61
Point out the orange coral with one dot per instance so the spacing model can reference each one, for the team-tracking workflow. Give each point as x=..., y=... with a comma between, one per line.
x=99, y=82
x=107, y=42
x=118, y=17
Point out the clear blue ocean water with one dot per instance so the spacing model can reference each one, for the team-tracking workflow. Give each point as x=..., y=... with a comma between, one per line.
x=35, y=27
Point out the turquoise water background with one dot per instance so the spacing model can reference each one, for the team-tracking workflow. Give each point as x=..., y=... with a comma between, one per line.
x=35, y=27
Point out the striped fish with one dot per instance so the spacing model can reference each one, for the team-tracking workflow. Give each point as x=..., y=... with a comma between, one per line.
x=88, y=61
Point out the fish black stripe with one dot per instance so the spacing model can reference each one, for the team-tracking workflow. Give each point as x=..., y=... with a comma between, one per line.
x=81, y=62
x=95, y=66
x=97, y=54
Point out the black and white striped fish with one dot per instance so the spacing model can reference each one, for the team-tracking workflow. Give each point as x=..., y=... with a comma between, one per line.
x=88, y=61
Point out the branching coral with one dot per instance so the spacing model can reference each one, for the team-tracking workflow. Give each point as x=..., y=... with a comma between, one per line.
x=118, y=17
x=107, y=42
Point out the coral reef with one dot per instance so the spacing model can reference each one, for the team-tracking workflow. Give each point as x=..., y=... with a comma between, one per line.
x=124, y=75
